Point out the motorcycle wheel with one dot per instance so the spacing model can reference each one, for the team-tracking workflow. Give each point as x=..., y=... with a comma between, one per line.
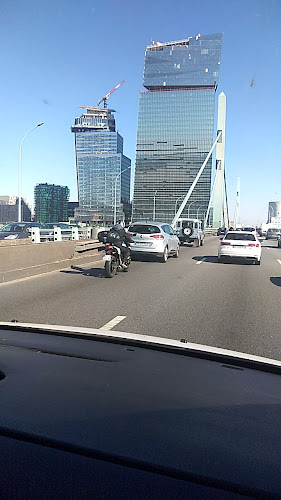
x=111, y=268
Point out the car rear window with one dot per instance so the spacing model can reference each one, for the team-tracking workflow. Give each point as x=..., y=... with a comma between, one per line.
x=240, y=236
x=144, y=229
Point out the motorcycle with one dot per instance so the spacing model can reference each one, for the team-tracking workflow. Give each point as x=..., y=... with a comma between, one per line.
x=114, y=262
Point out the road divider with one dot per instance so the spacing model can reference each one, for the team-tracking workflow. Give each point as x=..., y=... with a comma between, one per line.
x=27, y=259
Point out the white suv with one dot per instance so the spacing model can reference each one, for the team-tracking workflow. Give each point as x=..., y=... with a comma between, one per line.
x=190, y=231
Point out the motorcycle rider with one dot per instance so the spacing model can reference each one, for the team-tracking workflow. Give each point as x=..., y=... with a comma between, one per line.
x=118, y=237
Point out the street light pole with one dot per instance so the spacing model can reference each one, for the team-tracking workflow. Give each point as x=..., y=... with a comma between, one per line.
x=198, y=210
x=154, y=204
x=177, y=202
x=19, y=193
x=115, y=193
x=189, y=208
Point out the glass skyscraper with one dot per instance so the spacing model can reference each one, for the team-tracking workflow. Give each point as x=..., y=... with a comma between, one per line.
x=102, y=168
x=176, y=127
x=50, y=203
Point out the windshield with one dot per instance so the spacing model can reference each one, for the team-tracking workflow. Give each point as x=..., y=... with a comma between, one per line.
x=163, y=117
x=13, y=227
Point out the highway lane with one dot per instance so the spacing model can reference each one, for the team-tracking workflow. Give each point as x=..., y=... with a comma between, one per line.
x=235, y=306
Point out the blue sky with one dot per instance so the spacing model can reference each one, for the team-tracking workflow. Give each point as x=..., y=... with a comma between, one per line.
x=59, y=54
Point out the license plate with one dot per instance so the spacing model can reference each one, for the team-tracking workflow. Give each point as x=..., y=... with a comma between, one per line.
x=239, y=246
x=143, y=243
x=107, y=258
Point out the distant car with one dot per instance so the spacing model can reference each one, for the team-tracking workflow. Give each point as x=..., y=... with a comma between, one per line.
x=249, y=229
x=221, y=231
x=190, y=231
x=154, y=238
x=17, y=230
x=241, y=245
x=66, y=229
x=260, y=231
x=279, y=241
x=62, y=225
x=272, y=233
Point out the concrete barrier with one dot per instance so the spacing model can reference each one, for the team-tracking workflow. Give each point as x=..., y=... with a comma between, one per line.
x=21, y=258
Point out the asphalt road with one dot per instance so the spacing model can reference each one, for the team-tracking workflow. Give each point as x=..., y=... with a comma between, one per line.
x=235, y=306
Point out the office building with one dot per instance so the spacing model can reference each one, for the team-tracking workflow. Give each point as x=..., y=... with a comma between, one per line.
x=103, y=172
x=176, y=127
x=274, y=210
x=51, y=203
x=9, y=209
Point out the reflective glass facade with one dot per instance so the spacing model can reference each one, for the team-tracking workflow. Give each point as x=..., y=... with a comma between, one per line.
x=175, y=127
x=99, y=162
x=50, y=203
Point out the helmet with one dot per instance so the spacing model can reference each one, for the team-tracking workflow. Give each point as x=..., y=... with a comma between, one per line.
x=121, y=223
x=117, y=227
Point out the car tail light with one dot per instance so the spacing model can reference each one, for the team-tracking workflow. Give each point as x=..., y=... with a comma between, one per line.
x=257, y=245
x=130, y=234
x=251, y=244
x=110, y=246
x=157, y=236
x=225, y=243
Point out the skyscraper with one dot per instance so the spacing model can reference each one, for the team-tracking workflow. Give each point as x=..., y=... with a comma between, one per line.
x=50, y=203
x=103, y=172
x=176, y=126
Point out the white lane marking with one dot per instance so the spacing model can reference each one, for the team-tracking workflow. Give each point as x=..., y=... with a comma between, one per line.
x=200, y=261
x=278, y=260
x=113, y=323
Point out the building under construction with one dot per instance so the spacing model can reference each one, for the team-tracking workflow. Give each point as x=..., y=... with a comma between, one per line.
x=103, y=172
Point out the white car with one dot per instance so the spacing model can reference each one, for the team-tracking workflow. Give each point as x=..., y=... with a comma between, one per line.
x=241, y=245
x=154, y=238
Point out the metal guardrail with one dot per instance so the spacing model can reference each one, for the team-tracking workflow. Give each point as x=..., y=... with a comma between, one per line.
x=39, y=235
x=210, y=230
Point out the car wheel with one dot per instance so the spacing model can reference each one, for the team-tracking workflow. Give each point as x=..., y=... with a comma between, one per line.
x=176, y=254
x=202, y=242
x=221, y=260
x=164, y=257
x=258, y=262
x=197, y=242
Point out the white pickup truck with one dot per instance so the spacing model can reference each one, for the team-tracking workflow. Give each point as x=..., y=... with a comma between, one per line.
x=190, y=231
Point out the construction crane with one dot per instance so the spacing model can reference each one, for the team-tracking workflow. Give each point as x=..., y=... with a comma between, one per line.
x=105, y=97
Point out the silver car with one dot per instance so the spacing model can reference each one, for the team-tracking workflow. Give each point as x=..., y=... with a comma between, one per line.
x=154, y=238
x=272, y=233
